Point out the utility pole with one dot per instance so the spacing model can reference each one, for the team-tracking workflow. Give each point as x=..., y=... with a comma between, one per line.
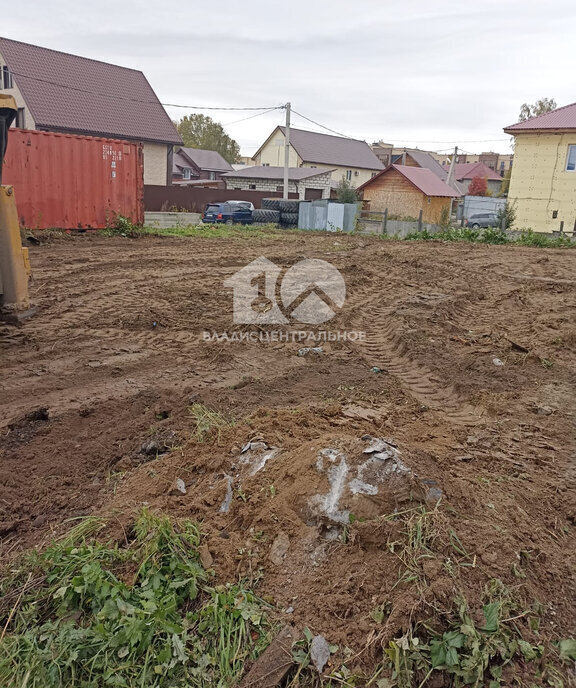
x=449, y=180
x=286, y=150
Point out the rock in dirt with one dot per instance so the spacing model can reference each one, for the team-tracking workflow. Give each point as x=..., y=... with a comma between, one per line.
x=274, y=663
x=279, y=548
x=178, y=488
x=544, y=410
x=206, y=558
x=319, y=652
x=160, y=444
x=497, y=362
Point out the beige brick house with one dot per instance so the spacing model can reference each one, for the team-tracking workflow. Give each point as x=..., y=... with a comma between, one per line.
x=65, y=93
x=349, y=158
x=308, y=183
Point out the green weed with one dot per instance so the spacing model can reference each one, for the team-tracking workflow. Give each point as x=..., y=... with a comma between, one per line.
x=219, y=231
x=87, y=615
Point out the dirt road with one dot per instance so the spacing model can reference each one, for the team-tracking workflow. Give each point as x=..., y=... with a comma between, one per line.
x=468, y=364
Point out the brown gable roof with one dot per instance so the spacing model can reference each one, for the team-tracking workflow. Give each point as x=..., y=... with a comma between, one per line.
x=421, y=177
x=206, y=159
x=70, y=93
x=325, y=149
x=423, y=159
x=561, y=118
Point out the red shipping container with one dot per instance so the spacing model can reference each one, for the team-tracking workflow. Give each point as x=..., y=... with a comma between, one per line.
x=73, y=182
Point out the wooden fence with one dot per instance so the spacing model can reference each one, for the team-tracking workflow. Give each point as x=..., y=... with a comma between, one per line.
x=194, y=200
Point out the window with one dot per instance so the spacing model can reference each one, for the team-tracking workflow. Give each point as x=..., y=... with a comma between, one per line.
x=554, y=214
x=373, y=175
x=348, y=175
x=212, y=176
x=6, y=77
x=20, y=119
x=252, y=186
x=265, y=164
x=186, y=173
x=280, y=189
x=571, y=162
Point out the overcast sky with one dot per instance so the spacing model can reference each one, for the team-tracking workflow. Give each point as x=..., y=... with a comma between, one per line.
x=426, y=73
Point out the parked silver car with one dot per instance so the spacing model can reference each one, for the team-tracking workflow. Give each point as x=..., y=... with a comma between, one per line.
x=482, y=220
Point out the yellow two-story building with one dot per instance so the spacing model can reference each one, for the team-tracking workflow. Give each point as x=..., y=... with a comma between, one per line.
x=543, y=181
x=349, y=158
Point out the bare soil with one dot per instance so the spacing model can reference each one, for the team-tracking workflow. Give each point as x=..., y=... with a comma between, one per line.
x=105, y=375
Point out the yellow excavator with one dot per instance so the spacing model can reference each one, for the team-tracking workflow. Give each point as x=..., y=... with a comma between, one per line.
x=14, y=264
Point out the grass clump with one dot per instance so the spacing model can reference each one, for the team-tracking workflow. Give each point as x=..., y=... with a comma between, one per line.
x=85, y=614
x=493, y=235
x=531, y=238
x=218, y=231
x=209, y=424
x=119, y=225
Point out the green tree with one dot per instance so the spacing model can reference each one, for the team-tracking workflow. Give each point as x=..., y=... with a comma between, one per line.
x=346, y=193
x=508, y=214
x=201, y=131
x=540, y=107
x=505, y=182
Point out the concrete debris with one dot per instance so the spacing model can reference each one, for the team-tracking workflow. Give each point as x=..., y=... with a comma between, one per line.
x=545, y=410
x=367, y=474
x=433, y=493
x=256, y=455
x=279, y=548
x=310, y=350
x=497, y=362
x=225, y=506
x=319, y=652
x=178, y=488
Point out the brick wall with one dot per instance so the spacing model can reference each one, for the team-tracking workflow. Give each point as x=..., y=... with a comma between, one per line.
x=320, y=181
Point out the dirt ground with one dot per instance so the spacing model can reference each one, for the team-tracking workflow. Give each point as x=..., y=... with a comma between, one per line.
x=467, y=370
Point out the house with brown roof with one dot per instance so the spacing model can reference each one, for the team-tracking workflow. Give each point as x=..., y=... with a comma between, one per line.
x=465, y=172
x=543, y=181
x=405, y=191
x=308, y=183
x=193, y=166
x=349, y=158
x=65, y=93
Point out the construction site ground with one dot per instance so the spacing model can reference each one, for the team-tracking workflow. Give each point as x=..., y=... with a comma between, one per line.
x=112, y=399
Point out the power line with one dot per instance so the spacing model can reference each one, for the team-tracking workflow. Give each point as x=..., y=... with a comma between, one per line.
x=321, y=125
x=138, y=100
x=258, y=114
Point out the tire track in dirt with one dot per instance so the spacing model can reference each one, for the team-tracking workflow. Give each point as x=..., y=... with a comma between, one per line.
x=387, y=349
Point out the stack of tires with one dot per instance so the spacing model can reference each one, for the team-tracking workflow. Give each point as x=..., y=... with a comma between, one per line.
x=289, y=213
x=277, y=211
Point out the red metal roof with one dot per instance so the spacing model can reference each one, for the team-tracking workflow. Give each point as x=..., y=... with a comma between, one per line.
x=469, y=170
x=75, y=94
x=561, y=118
x=422, y=178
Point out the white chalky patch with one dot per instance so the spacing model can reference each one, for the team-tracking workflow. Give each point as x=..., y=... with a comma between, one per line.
x=383, y=461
